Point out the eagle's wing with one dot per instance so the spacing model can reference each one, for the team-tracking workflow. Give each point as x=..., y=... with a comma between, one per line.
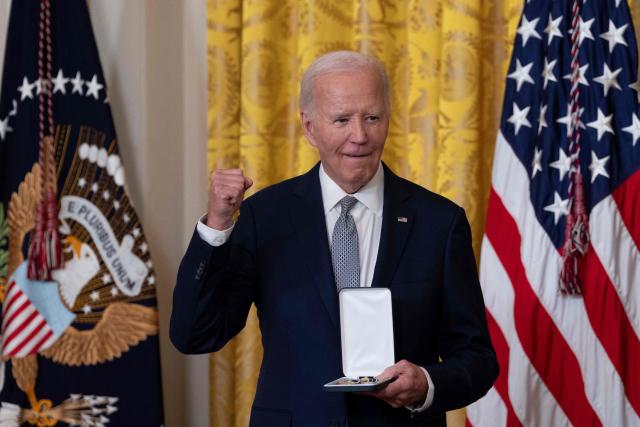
x=122, y=325
x=22, y=215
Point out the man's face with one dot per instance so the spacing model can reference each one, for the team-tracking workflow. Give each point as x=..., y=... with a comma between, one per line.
x=348, y=126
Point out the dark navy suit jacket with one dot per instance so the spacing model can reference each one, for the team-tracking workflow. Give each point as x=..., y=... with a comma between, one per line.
x=278, y=258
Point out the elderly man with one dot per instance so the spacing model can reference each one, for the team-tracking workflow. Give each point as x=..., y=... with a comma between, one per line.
x=283, y=255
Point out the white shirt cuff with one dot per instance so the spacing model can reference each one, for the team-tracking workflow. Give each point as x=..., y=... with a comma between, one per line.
x=429, y=400
x=210, y=235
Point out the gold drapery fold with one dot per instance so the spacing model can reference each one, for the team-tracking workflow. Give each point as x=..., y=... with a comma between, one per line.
x=447, y=61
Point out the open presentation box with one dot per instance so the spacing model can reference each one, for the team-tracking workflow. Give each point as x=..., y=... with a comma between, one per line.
x=366, y=330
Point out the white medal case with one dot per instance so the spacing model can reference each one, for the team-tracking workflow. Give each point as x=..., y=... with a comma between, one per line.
x=366, y=330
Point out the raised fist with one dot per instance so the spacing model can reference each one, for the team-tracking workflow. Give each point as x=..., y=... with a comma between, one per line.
x=225, y=196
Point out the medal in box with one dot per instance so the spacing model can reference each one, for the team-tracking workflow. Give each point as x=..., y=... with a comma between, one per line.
x=366, y=331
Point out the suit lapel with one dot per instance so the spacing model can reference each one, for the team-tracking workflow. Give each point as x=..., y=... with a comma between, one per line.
x=307, y=217
x=397, y=221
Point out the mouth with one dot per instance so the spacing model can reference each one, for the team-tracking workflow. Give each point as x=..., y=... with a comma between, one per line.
x=357, y=156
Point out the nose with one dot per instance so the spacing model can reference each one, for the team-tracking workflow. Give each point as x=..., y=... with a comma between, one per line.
x=358, y=131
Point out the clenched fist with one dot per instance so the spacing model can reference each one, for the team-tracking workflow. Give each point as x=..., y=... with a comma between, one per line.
x=225, y=196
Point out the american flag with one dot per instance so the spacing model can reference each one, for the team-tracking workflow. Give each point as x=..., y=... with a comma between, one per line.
x=565, y=359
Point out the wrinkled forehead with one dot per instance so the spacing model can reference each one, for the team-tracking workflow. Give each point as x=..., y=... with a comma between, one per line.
x=352, y=85
x=361, y=71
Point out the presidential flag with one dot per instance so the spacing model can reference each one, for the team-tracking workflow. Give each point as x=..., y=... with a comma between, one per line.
x=560, y=261
x=79, y=321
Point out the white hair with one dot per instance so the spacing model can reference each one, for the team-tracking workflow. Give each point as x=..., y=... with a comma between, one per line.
x=340, y=61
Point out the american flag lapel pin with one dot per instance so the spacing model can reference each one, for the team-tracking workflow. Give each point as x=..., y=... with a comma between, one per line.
x=402, y=219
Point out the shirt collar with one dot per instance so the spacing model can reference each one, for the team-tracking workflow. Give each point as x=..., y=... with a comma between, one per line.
x=371, y=194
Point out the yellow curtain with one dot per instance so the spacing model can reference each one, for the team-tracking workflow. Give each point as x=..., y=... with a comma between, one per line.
x=447, y=61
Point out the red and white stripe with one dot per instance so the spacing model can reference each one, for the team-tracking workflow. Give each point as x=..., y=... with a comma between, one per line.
x=564, y=360
x=24, y=330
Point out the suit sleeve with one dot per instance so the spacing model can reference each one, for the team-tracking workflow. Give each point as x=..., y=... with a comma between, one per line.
x=214, y=289
x=469, y=366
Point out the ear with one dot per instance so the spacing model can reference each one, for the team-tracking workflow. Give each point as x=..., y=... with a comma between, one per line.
x=307, y=128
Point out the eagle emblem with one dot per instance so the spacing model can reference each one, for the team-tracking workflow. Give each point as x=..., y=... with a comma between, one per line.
x=99, y=305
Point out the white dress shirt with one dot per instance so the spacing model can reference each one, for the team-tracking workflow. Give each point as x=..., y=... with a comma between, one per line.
x=367, y=215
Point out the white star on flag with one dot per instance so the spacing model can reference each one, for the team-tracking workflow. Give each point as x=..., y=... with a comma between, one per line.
x=26, y=89
x=519, y=117
x=536, y=164
x=86, y=309
x=553, y=29
x=144, y=248
x=542, y=120
x=136, y=232
x=582, y=79
x=614, y=35
x=59, y=82
x=566, y=120
x=94, y=187
x=38, y=86
x=14, y=110
x=602, y=124
x=151, y=280
x=106, y=278
x=4, y=127
x=93, y=87
x=597, y=166
x=636, y=86
x=547, y=72
x=608, y=79
x=42, y=85
x=528, y=29
x=77, y=84
x=563, y=164
x=521, y=74
x=82, y=182
x=633, y=128
x=95, y=296
x=114, y=291
x=585, y=30
x=559, y=207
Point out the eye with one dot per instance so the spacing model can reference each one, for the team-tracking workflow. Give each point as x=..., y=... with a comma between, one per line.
x=341, y=121
x=373, y=119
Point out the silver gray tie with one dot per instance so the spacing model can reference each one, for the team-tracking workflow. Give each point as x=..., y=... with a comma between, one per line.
x=345, y=254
